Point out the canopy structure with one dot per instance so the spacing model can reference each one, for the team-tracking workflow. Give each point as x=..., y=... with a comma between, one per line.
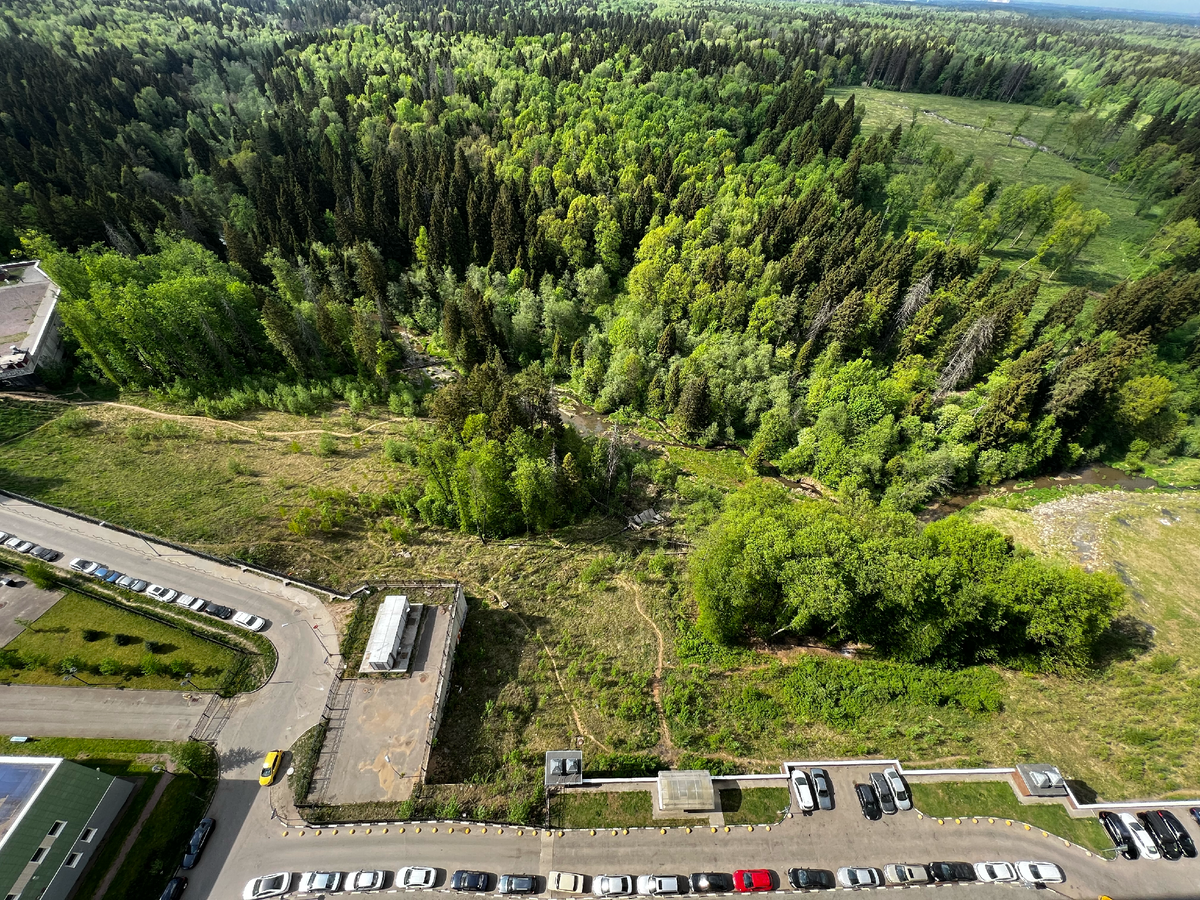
x=384, y=643
x=686, y=791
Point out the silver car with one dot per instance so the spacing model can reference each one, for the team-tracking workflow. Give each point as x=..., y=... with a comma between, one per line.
x=859, y=876
x=905, y=873
x=659, y=885
x=824, y=790
x=899, y=788
x=612, y=885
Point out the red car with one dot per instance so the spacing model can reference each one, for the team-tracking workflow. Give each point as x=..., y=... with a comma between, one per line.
x=748, y=881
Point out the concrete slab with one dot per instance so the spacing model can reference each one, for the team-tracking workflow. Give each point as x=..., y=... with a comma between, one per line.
x=385, y=742
x=50, y=711
x=25, y=602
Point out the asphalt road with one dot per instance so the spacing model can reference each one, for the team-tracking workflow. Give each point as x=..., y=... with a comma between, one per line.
x=99, y=712
x=248, y=841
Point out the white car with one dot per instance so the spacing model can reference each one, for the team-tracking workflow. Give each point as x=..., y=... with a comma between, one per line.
x=187, y=601
x=859, y=876
x=995, y=871
x=1040, y=872
x=86, y=566
x=1145, y=844
x=804, y=791
x=899, y=788
x=165, y=594
x=905, y=873
x=416, y=877
x=612, y=885
x=132, y=584
x=267, y=886
x=365, y=880
x=659, y=885
x=566, y=882
x=317, y=882
x=249, y=622
x=19, y=545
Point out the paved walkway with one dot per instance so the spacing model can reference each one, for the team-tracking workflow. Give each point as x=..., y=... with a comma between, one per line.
x=86, y=712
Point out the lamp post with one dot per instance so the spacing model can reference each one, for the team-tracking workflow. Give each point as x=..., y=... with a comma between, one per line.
x=71, y=674
x=187, y=679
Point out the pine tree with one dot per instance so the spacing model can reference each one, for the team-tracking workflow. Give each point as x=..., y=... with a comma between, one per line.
x=693, y=411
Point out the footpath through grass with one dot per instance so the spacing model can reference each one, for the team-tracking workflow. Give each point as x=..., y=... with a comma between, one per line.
x=111, y=646
x=958, y=799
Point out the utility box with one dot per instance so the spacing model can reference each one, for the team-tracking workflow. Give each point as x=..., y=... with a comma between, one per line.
x=384, y=643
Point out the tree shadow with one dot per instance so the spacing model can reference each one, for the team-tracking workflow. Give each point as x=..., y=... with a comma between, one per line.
x=1083, y=791
x=238, y=757
x=1126, y=639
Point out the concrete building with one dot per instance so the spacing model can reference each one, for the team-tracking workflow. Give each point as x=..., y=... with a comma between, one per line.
x=53, y=816
x=29, y=323
x=383, y=647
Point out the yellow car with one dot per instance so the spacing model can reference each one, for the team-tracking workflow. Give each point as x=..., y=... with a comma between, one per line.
x=270, y=767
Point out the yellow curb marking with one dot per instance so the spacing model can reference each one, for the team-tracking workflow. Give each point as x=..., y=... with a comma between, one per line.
x=688, y=829
x=317, y=833
x=285, y=834
x=713, y=829
x=662, y=831
x=301, y=834
x=450, y=830
x=727, y=829
x=991, y=821
x=958, y=821
x=593, y=832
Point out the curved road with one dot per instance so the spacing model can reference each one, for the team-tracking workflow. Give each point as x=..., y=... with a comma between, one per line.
x=248, y=841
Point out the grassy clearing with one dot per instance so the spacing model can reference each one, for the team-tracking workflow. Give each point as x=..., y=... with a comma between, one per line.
x=17, y=417
x=754, y=806
x=1109, y=256
x=608, y=809
x=950, y=799
x=98, y=638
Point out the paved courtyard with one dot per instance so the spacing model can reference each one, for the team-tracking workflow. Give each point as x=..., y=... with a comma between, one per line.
x=384, y=743
x=24, y=602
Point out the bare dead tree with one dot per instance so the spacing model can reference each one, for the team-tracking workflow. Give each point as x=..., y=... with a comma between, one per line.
x=823, y=317
x=977, y=340
x=917, y=297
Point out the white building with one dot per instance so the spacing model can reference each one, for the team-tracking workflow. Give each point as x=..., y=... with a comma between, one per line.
x=384, y=643
x=29, y=323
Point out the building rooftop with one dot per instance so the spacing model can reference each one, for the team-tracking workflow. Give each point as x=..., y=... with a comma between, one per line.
x=689, y=789
x=21, y=780
x=24, y=290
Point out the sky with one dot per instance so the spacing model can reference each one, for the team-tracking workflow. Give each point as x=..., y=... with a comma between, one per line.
x=1188, y=8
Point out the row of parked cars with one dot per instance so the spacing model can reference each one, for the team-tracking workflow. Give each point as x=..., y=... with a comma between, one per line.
x=20, y=545
x=743, y=881
x=163, y=594
x=883, y=793
x=1154, y=834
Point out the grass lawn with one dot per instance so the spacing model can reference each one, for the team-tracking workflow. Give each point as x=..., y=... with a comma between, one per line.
x=609, y=809
x=951, y=799
x=1107, y=259
x=60, y=633
x=17, y=417
x=754, y=806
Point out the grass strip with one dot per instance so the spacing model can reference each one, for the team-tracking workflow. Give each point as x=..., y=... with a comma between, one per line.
x=107, y=855
x=754, y=806
x=958, y=799
x=609, y=809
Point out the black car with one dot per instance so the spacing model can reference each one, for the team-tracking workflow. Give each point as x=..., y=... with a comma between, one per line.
x=196, y=844
x=463, y=880
x=951, y=871
x=868, y=801
x=1119, y=835
x=1176, y=828
x=45, y=554
x=712, y=882
x=221, y=612
x=174, y=889
x=811, y=878
x=1167, y=843
x=884, y=791
x=517, y=884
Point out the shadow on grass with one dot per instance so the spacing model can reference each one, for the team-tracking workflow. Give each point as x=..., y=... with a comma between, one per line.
x=1127, y=638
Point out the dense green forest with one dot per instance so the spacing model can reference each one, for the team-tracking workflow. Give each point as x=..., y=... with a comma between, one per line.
x=657, y=207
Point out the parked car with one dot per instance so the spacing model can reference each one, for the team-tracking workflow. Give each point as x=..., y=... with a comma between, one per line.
x=899, y=788
x=868, y=801
x=196, y=844
x=15, y=543
x=751, y=881
x=615, y=885
x=518, y=884
x=136, y=585
x=712, y=883
x=566, y=882
x=113, y=576
x=660, y=885
x=1166, y=842
x=4, y=537
x=267, y=886
x=101, y=573
x=165, y=594
x=1119, y=834
x=803, y=879
x=416, y=877
x=45, y=554
x=270, y=767
x=1040, y=873
x=1195, y=812
x=995, y=871
x=316, y=882
x=905, y=873
x=174, y=889
x=859, y=876
x=218, y=611
x=464, y=880
x=365, y=880
x=187, y=601
x=823, y=787
x=249, y=622
x=10, y=581
x=1181, y=834
x=85, y=566
x=951, y=871
x=886, y=801
x=1145, y=844
x=804, y=791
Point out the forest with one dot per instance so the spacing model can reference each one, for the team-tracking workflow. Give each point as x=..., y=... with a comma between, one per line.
x=659, y=209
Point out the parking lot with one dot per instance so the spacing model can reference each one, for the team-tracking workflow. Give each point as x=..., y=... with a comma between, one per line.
x=24, y=602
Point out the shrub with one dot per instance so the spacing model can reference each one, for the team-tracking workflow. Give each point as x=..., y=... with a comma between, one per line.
x=111, y=666
x=179, y=667
x=326, y=445
x=42, y=575
x=124, y=640
x=150, y=665
x=91, y=635
x=11, y=659
x=67, y=663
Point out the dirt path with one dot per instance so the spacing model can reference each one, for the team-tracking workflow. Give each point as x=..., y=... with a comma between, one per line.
x=664, y=729
x=179, y=417
x=155, y=796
